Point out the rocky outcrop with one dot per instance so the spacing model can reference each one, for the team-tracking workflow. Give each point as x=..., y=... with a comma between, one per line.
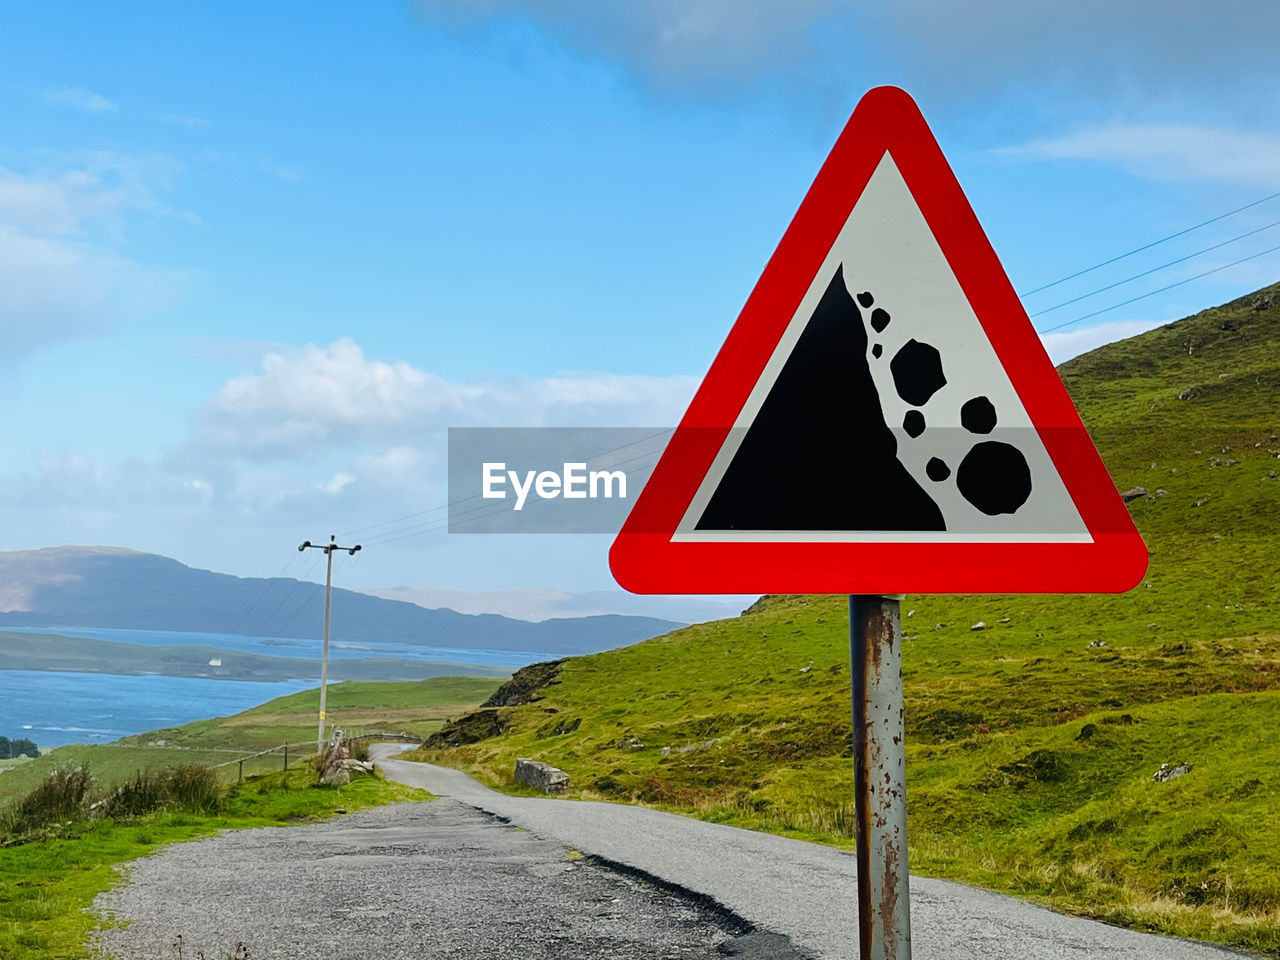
x=541, y=776
x=338, y=766
x=469, y=728
x=525, y=683
x=524, y=687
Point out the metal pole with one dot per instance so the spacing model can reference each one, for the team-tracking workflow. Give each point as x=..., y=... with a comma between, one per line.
x=324, y=662
x=328, y=549
x=879, y=763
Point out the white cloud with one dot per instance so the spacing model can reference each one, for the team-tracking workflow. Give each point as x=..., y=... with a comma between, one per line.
x=60, y=274
x=1065, y=344
x=403, y=467
x=80, y=99
x=1136, y=48
x=1169, y=152
x=1221, y=55
x=70, y=480
x=335, y=395
x=71, y=193
x=670, y=41
x=53, y=290
x=337, y=482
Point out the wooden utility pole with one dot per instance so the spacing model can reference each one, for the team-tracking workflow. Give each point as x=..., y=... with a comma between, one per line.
x=328, y=549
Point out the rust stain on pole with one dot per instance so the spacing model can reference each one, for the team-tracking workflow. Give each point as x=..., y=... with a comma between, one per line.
x=879, y=756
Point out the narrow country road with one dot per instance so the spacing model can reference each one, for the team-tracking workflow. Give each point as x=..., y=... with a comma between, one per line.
x=801, y=890
x=407, y=881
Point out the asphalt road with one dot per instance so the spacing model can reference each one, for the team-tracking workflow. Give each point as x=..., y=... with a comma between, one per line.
x=803, y=891
x=407, y=882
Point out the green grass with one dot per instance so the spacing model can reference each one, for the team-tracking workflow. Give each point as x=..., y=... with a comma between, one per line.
x=418, y=707
x=1031, y=748
x=47, y=887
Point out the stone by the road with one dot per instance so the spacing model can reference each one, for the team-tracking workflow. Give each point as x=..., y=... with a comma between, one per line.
x=541, y=776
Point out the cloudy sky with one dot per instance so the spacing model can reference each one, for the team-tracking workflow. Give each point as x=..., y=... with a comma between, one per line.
x=255, y=258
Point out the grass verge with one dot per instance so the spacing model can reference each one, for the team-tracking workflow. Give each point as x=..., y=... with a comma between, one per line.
x=417, y=707
x=47, y=887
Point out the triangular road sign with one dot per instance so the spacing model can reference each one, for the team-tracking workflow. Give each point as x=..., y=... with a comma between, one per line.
x=883, y=417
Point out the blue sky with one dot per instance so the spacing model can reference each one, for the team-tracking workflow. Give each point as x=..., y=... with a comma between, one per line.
x=254, y=258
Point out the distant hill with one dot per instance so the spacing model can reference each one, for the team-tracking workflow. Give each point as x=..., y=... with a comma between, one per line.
x=115, y=587
x=39, y=651
x=1036, y=725
x=540, y=603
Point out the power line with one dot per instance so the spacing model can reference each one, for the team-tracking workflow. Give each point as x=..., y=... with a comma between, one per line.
x=289, y=596
x=1163, y=266
x=1153, y=243
x=1198, y=276
x=271, y=582
x=315, y=588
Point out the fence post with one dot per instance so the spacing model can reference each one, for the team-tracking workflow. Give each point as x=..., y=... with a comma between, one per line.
x=241, y=779
x=286, y=756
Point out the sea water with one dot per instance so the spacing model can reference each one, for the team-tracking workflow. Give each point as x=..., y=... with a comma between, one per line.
x=55, y=707
x=298, y=647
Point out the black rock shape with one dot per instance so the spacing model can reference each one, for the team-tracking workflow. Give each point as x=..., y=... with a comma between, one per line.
x=877, y=350
x=917, y=372
x=994, y=477
x=913, y=423
x=978, y=415
x=879, y=320
x=936, y=470
x=865, y=298
x=819, y=454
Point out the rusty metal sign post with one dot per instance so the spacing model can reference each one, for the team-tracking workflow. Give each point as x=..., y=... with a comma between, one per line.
x=880, y=780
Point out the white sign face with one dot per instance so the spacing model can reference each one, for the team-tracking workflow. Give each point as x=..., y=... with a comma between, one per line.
x=886, y=340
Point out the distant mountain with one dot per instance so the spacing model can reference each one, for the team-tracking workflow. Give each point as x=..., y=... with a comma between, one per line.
x=38, y=651
x=534, y=603
x=115, y=587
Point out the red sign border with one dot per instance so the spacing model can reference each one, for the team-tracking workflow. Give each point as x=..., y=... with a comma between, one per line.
x=643, y=561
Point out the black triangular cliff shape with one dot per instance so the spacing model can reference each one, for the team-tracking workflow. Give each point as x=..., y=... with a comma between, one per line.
x=820, y=445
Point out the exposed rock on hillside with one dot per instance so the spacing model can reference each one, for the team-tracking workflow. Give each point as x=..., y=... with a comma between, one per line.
x=525, y=683
x=469, y=728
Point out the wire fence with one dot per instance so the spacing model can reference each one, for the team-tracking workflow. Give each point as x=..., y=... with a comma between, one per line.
x=282, y=749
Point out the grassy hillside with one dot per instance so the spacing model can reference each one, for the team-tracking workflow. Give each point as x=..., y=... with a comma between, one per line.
x=1032, y=744
x=418, y=707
